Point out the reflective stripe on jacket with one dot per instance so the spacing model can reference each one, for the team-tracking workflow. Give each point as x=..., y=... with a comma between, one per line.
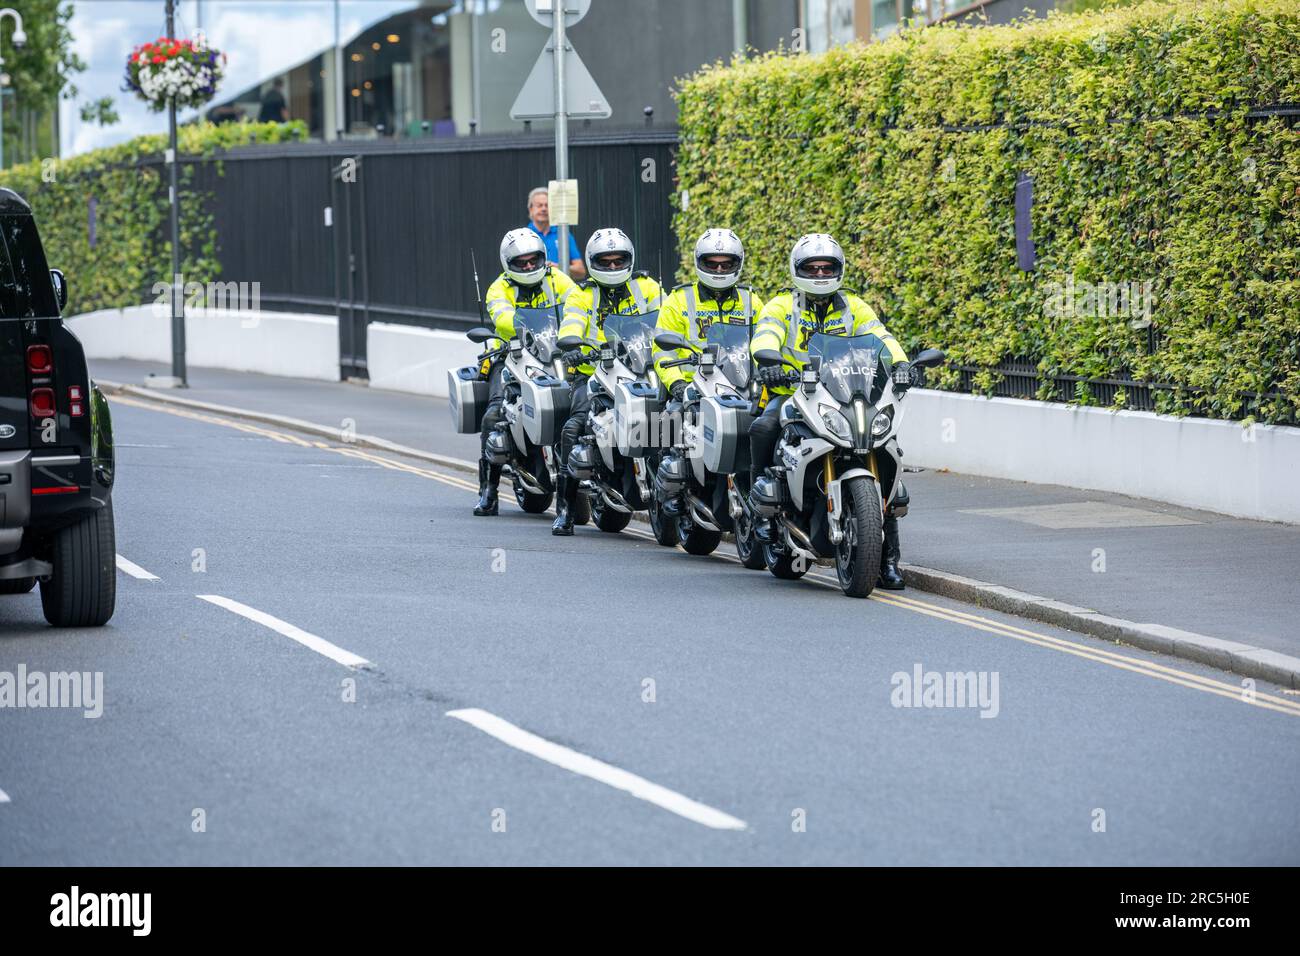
x=588, y=304
x=689, y=313
x=788, y=321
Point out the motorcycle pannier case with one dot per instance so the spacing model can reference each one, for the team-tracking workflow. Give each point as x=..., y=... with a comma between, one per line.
x=636, y=418
x=724, y=423
x=544, y=407
x=467, y=395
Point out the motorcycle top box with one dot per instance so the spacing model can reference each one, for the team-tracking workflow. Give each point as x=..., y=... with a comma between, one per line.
x=467, y=394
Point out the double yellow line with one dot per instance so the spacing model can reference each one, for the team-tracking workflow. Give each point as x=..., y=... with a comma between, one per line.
x=1173, y=675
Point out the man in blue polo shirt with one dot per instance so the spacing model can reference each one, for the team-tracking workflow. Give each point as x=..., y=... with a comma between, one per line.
x=539, y=216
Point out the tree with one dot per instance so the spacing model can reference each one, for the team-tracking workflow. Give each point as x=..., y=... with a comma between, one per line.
x=39, y=74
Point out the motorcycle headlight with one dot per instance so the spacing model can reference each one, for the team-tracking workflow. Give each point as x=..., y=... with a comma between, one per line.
x=836, y=424
x=883, y=421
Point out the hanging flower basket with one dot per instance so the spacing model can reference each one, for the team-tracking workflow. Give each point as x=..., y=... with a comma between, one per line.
x=156, y=72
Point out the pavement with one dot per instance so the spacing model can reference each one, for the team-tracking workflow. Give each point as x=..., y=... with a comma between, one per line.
x=1165, y=568
x=333, y=662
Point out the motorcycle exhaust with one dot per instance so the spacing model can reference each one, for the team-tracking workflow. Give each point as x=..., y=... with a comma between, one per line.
x=614, y=500
x=701, y=515
x=529, y=481
x=800, y=539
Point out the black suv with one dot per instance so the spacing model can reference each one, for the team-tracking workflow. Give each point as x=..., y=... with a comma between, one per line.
x=56, y=441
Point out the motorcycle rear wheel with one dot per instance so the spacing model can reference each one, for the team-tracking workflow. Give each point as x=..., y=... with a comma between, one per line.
x=663, y=527
x=787, y=567
x=532, y=502
x=697, y=540
x=607, y=519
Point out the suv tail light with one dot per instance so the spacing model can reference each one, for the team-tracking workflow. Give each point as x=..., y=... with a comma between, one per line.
x=39, y=359
x=42, y=403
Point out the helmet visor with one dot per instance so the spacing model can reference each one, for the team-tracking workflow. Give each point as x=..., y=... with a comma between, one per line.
x=718, y=265
x=528, y=262
x=612, y=261
x=819, y=268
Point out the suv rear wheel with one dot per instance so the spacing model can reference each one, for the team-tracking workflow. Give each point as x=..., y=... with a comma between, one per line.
x=17, y=585
x=82, y=591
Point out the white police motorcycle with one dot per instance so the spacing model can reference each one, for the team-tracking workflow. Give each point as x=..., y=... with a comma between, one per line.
x=838, y=465
x=696, y=499
x=535, y=405
x=609, y=460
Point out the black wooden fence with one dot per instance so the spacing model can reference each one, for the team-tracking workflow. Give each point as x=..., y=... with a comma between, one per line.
x=382, y=232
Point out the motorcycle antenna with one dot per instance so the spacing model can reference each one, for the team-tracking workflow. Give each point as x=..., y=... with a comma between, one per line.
x=478, y=293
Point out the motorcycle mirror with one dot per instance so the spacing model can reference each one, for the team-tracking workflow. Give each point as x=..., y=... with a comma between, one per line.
x=929, y=358
x=768, y=357
x=479, y=334
x=669, y=341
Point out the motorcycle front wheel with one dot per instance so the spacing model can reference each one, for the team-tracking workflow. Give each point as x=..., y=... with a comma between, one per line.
x=857, y=556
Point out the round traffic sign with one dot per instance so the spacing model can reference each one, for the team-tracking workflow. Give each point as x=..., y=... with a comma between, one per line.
x=543, y=10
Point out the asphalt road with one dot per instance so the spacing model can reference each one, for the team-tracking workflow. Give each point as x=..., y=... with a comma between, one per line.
x=769, y=735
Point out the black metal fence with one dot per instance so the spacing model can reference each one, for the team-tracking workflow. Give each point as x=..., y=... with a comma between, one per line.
x=382, y=232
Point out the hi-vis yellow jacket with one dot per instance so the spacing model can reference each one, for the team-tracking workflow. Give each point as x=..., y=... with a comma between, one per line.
x=588, y=304
x=788, y=321
x=504, y=296
x=689, y=313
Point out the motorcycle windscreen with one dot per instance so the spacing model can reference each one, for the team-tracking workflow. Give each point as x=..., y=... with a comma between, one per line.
x=636, y=333
x=733, y=356
x=537, y=329
x=851, y=365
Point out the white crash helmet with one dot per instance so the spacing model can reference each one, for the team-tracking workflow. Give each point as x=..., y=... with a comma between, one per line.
x=602, y=242
x=719, y=242
x=517, y=244
x=816, y=245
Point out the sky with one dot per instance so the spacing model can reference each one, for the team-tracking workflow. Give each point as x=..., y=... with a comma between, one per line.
x=260, y=37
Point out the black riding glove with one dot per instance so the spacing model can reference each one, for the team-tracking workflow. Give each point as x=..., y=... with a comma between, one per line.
x=678, y=390
x=770, y=375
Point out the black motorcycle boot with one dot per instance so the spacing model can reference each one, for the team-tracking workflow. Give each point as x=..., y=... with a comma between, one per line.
x=891, y=579
x=565, y=498
x=489, y=476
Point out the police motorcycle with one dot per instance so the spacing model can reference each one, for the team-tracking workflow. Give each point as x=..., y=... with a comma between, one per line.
x=838, y=465
x=696, y=499
x=609, y=461
x=535, y=405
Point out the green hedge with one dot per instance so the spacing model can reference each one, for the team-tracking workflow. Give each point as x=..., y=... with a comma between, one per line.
x=1133, y=124
x=133, y=247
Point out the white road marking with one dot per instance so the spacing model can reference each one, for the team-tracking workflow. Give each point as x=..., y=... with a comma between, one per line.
x=317, y=644
x=133, y=569
x=4, y=797
x=571, y=760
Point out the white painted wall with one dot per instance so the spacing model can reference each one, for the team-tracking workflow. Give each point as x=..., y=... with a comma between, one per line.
x=272, y=343
x=409, y=359
x=1196, y=462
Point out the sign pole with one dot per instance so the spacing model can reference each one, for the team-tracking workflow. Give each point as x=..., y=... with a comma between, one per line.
x=561, y=123
x=177, y=283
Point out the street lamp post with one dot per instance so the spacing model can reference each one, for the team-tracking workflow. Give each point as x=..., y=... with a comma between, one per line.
x=177, y=283
x=20, y=38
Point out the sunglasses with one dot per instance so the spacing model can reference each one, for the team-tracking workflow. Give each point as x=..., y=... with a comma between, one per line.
x=819, y=269
x=719, y=265
x=527, y=263
x=613, y=261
